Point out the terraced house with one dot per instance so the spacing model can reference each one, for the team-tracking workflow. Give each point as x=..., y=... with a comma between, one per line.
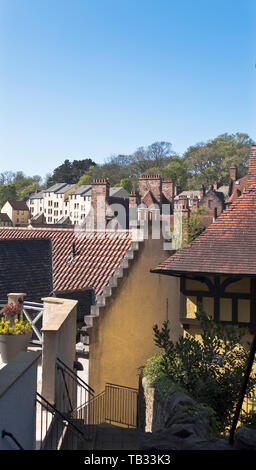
x=67, y=203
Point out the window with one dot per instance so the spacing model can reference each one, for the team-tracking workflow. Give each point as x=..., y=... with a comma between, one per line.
x=49, y=211
x=56, y=204
x=210, y=203
x=49, y=203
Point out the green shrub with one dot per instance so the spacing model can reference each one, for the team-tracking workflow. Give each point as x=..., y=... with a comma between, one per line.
x=210, y=371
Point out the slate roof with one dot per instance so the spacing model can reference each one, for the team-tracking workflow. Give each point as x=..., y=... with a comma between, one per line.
x=228, y=245
x=25, y=266
x=19, y=205
x=189, y=193
x=65, y=188
x=4, y=217
x=55, y=187
x=97, y=255
x=83, y=189
x=37, y=195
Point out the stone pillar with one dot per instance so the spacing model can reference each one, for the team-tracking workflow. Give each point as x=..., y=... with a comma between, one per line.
x=13, y=297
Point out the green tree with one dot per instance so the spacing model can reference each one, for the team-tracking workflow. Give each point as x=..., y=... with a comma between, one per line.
x=25, y=184
x=70, y=172
x=210, y=370
x=127, y=184
x=211, y=161
x=88, y=176
x=194, y=225
x=7, y=192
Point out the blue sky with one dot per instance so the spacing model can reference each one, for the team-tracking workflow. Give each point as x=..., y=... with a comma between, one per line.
x=94, y=78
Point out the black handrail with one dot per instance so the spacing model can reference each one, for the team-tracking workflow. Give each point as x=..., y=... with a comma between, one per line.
x=54, y=410
x=9, y=434
x=66, y=388
x=122, y=386
x=82, y=382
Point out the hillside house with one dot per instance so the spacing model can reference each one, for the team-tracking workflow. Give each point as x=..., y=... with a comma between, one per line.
x=67, y=204
x=17, y=211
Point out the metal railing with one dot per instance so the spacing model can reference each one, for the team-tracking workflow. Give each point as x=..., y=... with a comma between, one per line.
x=33, y=312
x=12, y=437
x=116, y=404
x=56, y=430
x=73, y=392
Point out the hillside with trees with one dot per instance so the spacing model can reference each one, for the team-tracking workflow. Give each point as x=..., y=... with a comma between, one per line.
x=202, y=163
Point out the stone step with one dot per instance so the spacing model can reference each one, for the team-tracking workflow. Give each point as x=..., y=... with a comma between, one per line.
x=111, y=437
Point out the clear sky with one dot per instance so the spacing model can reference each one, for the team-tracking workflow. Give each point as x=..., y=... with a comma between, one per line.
x=94, y=78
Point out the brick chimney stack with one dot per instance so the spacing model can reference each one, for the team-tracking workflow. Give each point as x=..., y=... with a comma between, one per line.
x=202, y=191
x=132, y=198
x=183, y=201
x=152, y=183
x=252, y=165
x=100, y=195
x=168, y=189
x=195, y=203
x=215, y=185
x=233, y=172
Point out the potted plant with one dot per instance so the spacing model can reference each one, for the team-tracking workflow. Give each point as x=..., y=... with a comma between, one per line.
x=15, y=331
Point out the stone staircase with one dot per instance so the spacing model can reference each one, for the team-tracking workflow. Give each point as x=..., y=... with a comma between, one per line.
x=109, y=437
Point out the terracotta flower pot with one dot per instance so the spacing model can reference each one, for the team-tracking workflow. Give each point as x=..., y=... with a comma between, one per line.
x=11, y=345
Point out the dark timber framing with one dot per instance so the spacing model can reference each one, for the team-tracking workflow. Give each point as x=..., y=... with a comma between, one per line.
x=217, y=291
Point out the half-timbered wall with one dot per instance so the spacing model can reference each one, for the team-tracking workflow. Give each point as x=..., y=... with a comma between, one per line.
x=227, y=299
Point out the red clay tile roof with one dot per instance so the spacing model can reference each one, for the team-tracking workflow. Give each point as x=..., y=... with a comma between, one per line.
x=237, y=189
x=96, y=260
x=149, y=199
x=228, y=245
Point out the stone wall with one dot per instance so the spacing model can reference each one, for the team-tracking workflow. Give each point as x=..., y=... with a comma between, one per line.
x=174, y=421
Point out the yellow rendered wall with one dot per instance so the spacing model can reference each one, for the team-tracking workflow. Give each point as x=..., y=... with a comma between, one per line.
x=122, y=337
